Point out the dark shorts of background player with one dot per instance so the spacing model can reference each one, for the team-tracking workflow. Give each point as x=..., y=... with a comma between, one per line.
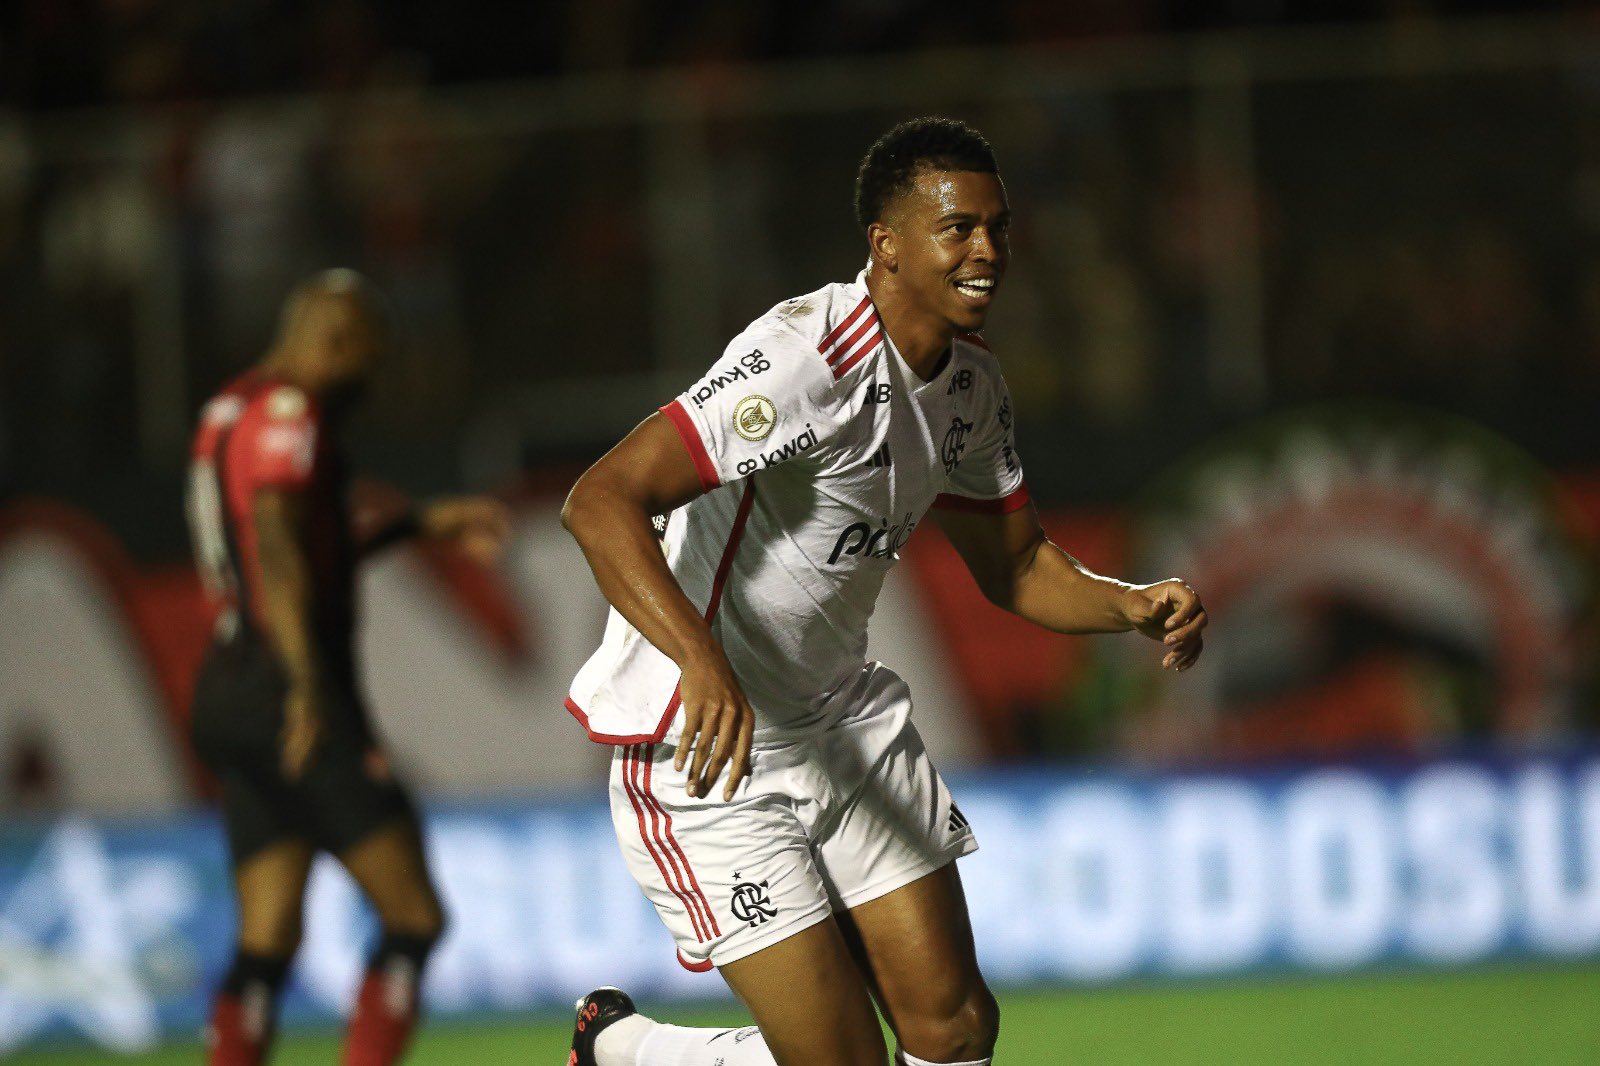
x=345, y=794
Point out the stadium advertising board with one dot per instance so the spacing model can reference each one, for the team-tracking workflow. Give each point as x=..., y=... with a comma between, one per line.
x=112, y=931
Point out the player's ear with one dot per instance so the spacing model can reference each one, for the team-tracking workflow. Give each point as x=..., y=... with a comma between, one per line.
x=881, y=242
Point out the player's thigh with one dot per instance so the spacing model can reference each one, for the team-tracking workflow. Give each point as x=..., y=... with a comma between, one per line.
x=355, y=807
x=889, y=862
x=271, y=884
x=390, y=866
x=349, y=791
x=810, y=1000
x=916, y=949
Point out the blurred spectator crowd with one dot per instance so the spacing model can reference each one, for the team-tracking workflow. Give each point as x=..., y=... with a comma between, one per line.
x=67, y=53
x=1429, y=237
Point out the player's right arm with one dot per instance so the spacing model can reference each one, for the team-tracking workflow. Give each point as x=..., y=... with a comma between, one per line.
x=285, y=596
x=610, y=512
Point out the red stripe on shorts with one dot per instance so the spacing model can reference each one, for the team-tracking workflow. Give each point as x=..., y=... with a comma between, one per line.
x=673, y=841
x=629, y=762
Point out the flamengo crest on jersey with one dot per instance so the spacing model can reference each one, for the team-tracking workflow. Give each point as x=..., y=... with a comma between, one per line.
x=820, y=452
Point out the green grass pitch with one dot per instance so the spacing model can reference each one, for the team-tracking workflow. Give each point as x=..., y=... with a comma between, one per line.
x=1504, y=1017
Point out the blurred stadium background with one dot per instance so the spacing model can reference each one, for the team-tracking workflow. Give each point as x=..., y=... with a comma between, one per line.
x=1305, y=306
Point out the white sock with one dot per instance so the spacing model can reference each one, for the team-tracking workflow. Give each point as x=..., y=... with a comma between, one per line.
x=638, y=1041
x=911, y=1060
x=618, y=1043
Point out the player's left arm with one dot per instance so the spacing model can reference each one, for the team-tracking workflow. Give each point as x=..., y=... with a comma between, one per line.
x=477, y=525
x=1023, y=571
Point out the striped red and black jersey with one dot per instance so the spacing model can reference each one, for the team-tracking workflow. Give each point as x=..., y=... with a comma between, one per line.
x=259, y=434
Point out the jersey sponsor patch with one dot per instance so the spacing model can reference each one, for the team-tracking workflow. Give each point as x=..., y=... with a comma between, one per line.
x=753, y=417
x=286, y=402
x=802, y=442
x=223, y=410
x=286, y=449
x=751, y=365
x=859, y=538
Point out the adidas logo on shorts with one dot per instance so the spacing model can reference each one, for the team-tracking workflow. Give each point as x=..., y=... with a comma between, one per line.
x=958, y=821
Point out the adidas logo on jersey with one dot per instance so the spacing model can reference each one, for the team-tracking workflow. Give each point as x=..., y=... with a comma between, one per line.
x=880, y=457
x=958, y=821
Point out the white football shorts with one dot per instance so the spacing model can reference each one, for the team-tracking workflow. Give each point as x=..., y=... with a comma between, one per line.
x=825, y=822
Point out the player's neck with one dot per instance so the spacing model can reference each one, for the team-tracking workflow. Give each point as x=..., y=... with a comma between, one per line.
x=922, y=339
x=282, y=366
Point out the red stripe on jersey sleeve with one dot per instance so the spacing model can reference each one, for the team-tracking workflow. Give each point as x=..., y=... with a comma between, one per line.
x=691, y=439
x=1012, y=501
x=867, y=324
x=673, y=879
x=862, y=352
x=834, y=334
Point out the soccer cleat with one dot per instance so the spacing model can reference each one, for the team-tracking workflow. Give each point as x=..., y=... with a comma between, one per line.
x=596, y=1011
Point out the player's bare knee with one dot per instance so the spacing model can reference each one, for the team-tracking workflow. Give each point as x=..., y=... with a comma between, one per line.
x=420, y=916
x=958, y=1031
x=276, y=936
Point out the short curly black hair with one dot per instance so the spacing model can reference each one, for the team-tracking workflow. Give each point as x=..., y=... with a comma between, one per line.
x=891, y=165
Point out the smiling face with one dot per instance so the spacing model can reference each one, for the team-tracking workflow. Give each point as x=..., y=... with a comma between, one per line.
x=946, y=241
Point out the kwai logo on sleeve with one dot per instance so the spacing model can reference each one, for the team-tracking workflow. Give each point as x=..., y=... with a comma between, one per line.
x=754, y=417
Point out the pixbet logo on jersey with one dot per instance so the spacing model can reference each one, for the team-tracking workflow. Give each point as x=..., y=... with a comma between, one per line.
x=858, y=538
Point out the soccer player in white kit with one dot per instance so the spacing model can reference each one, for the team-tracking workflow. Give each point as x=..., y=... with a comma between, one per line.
x=820, y=877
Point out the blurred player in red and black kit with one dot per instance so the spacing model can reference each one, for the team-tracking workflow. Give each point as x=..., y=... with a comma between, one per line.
x=279, y=715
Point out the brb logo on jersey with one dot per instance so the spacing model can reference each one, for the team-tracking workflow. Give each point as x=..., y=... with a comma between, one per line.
x=754, y=417
x=955, y=443
x=752, y=903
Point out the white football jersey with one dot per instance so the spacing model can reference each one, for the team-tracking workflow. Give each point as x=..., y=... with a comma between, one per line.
x=820, y=451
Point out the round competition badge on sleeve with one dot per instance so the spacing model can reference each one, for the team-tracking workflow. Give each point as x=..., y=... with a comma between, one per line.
x=754, y=417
